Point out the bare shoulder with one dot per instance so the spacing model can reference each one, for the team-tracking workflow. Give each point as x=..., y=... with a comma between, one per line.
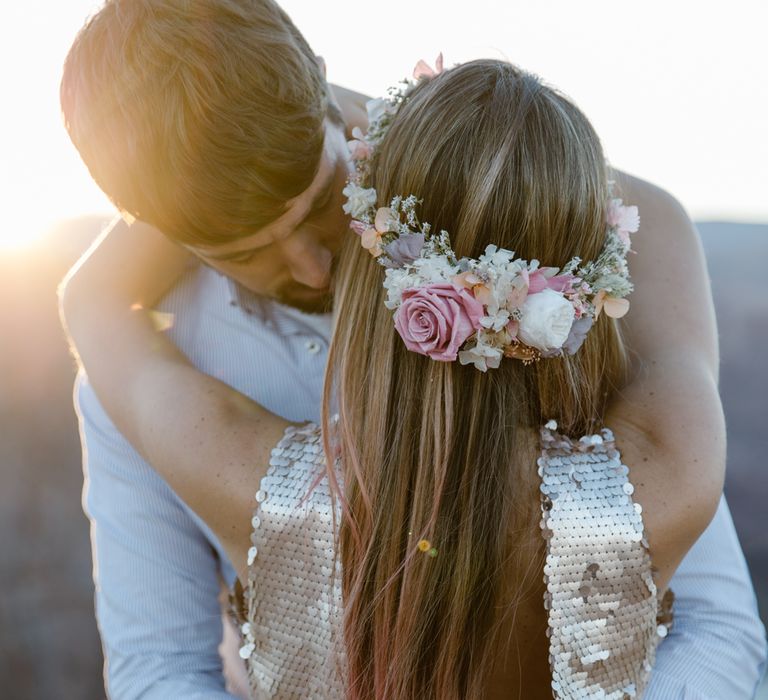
x=671, y=306
x=668, y=420
x=642, y=191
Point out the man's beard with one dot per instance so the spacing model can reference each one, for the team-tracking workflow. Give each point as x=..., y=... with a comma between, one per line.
x=307, y=299
x=310, y=302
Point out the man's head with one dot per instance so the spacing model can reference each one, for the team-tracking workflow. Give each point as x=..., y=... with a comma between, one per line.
x=211, y=120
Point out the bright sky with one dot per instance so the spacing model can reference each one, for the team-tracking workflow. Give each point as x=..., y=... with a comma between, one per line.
x=676, y=90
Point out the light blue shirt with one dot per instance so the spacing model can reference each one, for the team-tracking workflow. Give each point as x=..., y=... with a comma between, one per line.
x=157, y=566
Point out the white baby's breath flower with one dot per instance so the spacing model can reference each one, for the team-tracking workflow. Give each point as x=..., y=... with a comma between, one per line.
x=396, y=281
x=614, y=283
x=436, y=268
x=359, y=200
x=546, y=320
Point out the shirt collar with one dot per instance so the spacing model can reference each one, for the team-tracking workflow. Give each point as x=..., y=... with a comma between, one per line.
x=284, y=320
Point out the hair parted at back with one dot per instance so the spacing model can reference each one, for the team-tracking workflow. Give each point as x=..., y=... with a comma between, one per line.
x=201, y=117
x=437, y=450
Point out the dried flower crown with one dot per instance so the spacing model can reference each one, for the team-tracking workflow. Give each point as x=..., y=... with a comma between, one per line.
x=479, y=310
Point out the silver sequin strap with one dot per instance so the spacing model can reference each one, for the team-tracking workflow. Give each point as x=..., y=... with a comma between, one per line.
x=601, y=596
x=293, y=602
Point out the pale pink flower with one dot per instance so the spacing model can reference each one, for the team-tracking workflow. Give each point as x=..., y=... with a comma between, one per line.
x=358, y=227
x=537, y=281
x=545, y=278
x=598, y=300
x=370, y=236
x=359, y=148
x=371, y=241
x=613, y=306
x=469, y=280
x=561, y=283
x=424, y=70
x=436, y=320
x=516, y=298
x=624, y=219
x=383, y=220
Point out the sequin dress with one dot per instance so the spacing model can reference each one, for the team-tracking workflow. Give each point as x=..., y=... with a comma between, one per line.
x=605, y=614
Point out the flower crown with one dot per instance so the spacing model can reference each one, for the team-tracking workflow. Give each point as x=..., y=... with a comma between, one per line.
x=479, y=310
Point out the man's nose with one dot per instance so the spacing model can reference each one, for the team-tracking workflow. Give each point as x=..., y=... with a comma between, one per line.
x=308, y=260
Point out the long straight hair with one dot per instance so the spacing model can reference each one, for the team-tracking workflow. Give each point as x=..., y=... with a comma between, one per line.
x=441, y=451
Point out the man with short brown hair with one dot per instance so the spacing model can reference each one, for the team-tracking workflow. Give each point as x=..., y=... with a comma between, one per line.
x=212, y=120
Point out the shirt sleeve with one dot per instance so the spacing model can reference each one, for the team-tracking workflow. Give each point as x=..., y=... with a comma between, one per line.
x=155, y=570
x=716, y=648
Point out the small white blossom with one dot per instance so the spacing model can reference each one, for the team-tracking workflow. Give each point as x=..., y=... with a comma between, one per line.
x=496, y=256
x=359, y=200
x=482, y=356
x=396, y=281
x=435, y=269
x=495, y=322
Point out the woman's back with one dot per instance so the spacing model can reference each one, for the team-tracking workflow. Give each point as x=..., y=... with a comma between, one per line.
x=599, y=600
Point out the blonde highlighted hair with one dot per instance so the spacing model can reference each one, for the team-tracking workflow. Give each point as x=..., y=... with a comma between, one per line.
x=201, y=117
x=442, y=451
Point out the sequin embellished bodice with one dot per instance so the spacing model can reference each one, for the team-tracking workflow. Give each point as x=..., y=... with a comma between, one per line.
x=601, y=599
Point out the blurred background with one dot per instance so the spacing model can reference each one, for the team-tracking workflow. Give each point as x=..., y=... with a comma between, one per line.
x=676, y=91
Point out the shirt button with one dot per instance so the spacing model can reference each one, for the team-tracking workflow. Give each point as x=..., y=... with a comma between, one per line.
x=312, y=347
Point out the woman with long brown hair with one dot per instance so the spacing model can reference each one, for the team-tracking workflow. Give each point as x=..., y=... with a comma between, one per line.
x=397, y=551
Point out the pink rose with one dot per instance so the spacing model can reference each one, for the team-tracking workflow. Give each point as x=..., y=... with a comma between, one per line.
x=435, y=320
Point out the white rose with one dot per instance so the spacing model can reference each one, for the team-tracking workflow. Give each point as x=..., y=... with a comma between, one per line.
x=546, y=321
x=359, y=200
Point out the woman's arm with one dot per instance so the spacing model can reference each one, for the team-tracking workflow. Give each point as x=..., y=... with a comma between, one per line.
x=352, y=106
x=668, y=419
x=208, y=441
